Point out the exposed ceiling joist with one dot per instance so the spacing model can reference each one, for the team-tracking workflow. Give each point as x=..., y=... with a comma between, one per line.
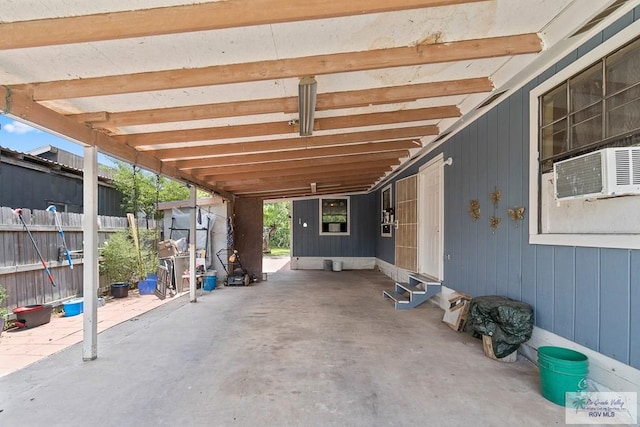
x=260, y=129
x=296, y=143
x=289, y=68
x=283, y=166
x=190, y=18
x=310, y=153
x=224, y=154
x=383, y=165
x=308, y=173
x=363, y=176
x=302, y=192
x=324, y=101
x=278, y=185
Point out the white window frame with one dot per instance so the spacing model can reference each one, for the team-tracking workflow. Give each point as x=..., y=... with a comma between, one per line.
x=334, y=233
x=626, y=241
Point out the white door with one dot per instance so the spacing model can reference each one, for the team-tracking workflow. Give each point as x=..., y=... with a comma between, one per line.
x=430, y=219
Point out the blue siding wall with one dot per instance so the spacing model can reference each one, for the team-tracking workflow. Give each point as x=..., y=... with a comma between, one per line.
x=587, y=295
x=360, y=243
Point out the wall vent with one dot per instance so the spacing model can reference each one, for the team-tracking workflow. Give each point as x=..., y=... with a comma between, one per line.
x=599, y=17
x=603, y=173
x=491, y=99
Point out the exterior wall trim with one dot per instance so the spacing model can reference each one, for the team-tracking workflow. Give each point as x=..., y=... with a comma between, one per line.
x=317, y=263
x=605, y=373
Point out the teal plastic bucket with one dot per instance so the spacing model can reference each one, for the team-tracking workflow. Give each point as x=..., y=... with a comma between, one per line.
x=561, y=371
x=209, y=281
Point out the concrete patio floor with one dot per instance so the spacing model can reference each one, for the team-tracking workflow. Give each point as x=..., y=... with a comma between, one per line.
x=305, y=348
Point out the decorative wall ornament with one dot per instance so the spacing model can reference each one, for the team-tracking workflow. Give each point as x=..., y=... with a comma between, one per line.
x=494, y=222
x=495, y=198
x=474, y=209
x=516, y=214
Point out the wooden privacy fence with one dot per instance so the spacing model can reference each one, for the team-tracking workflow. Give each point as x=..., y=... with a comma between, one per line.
x=22, y=272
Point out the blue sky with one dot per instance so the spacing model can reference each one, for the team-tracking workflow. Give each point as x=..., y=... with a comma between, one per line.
x=21, y=137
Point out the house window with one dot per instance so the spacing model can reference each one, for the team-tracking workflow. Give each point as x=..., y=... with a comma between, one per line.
x=334, y=216
x=593, y=103
x=595, y=108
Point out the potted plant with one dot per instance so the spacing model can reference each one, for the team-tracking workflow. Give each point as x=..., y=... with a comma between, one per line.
x=3, y=309
x=119, y=263
x=123, y=265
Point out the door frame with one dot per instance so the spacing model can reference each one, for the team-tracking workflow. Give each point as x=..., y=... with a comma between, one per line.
x=435, y=164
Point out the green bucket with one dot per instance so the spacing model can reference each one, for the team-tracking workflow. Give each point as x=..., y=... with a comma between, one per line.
x=561, y=371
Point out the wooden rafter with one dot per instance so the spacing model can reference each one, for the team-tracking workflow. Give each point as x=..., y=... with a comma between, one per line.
x=283, y=166
x=262, y=129
x=310, y=153
x=283, y=145
x=289, y=68
x=364, y=174
x=275, y=185
x=324, y=101
x=190, y=18
x=301, y=192
x=257, y=172
x=317, y=141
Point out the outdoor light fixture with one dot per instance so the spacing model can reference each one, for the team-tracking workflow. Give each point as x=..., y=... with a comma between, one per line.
x=307, y=90
x=314, y=187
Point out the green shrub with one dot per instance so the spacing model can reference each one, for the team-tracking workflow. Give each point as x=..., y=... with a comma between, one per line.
x=120, y=260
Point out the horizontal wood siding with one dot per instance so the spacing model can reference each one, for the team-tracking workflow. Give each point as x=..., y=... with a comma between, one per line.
x=307, y=241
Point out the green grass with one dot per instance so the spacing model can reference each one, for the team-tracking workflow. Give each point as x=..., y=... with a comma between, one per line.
x=279, y=252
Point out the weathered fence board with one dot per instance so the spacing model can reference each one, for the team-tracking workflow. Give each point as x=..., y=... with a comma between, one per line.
x=21, y=271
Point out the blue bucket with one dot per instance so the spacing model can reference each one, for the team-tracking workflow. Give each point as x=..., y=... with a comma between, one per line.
x=146, y=287
x=209, y=281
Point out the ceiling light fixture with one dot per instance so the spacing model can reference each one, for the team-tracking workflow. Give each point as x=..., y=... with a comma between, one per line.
x=307, y=90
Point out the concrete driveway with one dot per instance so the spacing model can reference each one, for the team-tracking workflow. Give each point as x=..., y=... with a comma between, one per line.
x=305, y=348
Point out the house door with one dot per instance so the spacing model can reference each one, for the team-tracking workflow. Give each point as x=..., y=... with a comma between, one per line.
x=431, y=219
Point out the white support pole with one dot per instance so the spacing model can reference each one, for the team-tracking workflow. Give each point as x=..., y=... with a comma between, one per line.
x=90, y=262
x=192, y=245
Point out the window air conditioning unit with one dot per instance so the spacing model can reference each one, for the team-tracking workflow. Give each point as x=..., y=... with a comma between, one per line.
x=603, y=173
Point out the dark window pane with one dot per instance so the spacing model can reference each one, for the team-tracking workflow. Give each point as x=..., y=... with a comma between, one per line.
x=586, y=88
x=554, y=139
x=623, y=119
x=623, y=97
x=554, y=105
x=587, y=113
x=623, y=68
x=586, y=132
